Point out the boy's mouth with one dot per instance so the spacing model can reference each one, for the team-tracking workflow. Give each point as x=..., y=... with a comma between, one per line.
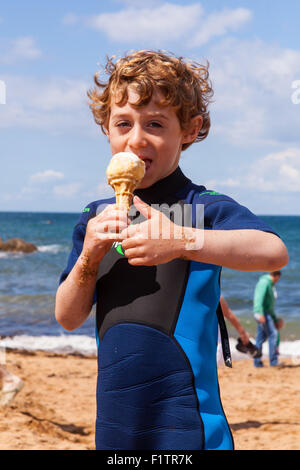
x=147, y=162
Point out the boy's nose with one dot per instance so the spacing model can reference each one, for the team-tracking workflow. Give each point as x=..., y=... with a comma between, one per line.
x=137, y=138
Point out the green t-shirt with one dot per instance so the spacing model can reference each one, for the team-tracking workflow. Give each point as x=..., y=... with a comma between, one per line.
x=264, y=297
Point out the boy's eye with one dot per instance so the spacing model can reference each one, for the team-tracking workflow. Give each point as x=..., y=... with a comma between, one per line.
x=155, y=124
x=123, y=124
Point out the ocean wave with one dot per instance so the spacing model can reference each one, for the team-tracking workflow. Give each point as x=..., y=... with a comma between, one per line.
x=11, y=254
x=62, y=344
x=288, y=349
x=86, y=346
x=54, y=249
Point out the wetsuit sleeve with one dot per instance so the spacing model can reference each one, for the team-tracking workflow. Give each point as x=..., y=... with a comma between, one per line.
x=229, y=215
x=78, y=239
x=224, y=213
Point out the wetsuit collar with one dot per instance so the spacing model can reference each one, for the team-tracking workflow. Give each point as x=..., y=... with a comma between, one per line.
x=162, y=189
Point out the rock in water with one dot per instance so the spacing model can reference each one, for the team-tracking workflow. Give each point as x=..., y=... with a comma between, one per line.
x=17, y=244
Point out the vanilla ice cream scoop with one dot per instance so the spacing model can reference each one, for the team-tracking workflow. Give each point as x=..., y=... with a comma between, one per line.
x=124, y=173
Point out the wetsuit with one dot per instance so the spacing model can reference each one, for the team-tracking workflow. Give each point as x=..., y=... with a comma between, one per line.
x=157, y=330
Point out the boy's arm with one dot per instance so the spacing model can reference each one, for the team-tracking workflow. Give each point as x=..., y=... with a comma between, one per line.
x=244, y=250
x=75, y=295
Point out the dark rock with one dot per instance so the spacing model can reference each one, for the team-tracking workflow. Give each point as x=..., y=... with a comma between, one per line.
x=17, y=244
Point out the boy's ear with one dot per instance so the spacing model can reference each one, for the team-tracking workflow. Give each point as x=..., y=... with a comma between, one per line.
x=193, y=130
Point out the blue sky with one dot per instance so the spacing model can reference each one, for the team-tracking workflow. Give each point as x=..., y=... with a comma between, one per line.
x=53, y=155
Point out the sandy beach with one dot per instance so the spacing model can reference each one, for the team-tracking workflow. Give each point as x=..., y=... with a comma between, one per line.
x=56, y=408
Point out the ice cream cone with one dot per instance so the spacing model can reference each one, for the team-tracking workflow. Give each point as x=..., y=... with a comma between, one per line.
x=124, y=173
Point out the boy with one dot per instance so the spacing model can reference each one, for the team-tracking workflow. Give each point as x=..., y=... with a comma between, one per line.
x=157, y=299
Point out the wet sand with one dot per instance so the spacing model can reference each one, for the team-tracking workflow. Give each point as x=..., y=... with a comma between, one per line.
x=56, y=408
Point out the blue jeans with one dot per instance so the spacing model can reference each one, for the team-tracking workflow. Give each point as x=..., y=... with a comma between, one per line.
x=267, y=331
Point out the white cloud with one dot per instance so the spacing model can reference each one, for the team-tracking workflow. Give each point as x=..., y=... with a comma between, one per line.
x=228, y=183
x=165, y=22
x=67, y=190
x=276, y=171
x=38, y=185
x=55, y=105
x=138, y=3
x=60, y=94
x=252, y=102
x=219, y=23
x=19, y=49
x=33, y=192
x=46, y=176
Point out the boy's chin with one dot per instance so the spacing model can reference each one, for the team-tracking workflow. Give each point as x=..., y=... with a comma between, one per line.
x=146, y=182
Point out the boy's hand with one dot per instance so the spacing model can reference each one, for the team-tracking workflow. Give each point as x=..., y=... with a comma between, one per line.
x=155, y=241
x=103, y=230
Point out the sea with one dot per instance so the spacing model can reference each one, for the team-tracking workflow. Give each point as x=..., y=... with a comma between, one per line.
x=28, y=284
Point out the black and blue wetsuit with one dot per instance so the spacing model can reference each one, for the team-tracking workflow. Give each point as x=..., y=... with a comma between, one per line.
x=157, y=331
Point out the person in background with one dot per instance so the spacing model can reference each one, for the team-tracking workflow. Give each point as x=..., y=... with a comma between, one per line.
x=268, y=323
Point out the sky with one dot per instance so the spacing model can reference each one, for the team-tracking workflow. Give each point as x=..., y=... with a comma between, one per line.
x=53, y=155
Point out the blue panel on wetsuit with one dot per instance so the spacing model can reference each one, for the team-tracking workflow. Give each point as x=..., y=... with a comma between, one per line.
x=196, y=331
x=145, y=394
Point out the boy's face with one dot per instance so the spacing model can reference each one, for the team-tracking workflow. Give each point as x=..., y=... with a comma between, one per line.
x=152, y=132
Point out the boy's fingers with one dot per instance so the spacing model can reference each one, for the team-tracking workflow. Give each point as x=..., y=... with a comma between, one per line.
x=109, y=236
x=143, y=207
x=136, y=262
x=134, y=252
x=111, y=226
x=113, y=212
x=130, y=231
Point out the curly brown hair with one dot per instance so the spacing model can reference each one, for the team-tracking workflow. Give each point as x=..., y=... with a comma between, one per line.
x=184, y=84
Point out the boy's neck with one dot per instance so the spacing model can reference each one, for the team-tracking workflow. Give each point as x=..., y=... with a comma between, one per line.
x=159, y=191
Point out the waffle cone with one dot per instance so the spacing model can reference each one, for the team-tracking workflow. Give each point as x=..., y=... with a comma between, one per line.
x=124, y=191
